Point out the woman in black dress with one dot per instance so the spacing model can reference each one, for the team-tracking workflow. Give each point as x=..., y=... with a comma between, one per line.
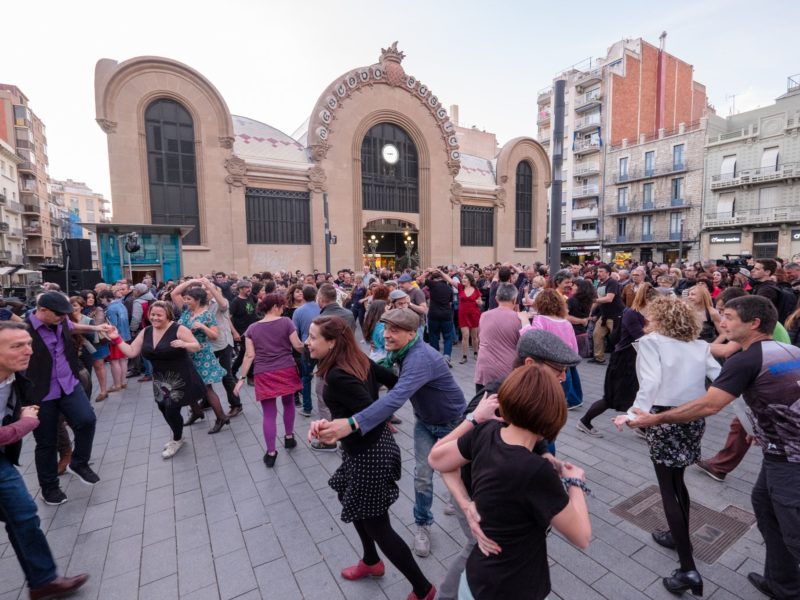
x=366, y=480
x=176, y=382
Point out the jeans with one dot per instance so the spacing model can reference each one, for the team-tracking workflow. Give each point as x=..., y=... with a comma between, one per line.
x=573, y=390
x=80, y=417
x=240, y=349
x=147, y=366
x=306, y=375
x=443, y=328
x=18, y=512
x=776, y=503
x=449, y=590
x=225, y=356
x=425, y=436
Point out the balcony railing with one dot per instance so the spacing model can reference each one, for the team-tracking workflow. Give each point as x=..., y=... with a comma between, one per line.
x=5, y=255
x=585, y=191
x=585, y=212
x=579, y=235
x=543, y=95
x=15, y=232
x=34, y=251
x=635, y=207
x=584, y=169
x=647, y=237
x=589, y=122
x=588, y=100
x=586, y=146
x=779, y=214
x=543, y=116
x=27, y=166
x=31, y=209
x=589, y=77
x=783, y=172
x=731, y=136
x=33, y=230
x=13, y=206
x=657, y=171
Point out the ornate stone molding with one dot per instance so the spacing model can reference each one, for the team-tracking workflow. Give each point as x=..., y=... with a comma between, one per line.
x=107, y=126
x=317, y=179
x=389, y=71
x=237, y=172
x=500, y=198
x=226, y=142
x=456, y=191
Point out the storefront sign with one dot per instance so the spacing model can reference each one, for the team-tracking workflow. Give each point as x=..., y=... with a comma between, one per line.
x=725, y=238
x=578, y=248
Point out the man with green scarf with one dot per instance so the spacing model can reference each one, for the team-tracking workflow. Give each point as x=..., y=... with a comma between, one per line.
x=438, y=404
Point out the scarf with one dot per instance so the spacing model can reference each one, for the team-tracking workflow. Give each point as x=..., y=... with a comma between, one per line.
x=395, y=356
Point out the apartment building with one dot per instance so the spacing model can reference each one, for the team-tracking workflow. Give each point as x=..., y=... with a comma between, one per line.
x=628, y=96
x=752, y=193
x=11, y=235
x=80, y=204
x=23, y=131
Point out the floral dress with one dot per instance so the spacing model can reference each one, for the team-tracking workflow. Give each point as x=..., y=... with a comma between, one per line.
x=204, y=360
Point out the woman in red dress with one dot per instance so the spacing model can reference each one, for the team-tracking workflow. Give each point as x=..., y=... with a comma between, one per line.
x=469, y=314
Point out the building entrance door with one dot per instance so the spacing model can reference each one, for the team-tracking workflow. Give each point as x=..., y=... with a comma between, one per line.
x=390, y=244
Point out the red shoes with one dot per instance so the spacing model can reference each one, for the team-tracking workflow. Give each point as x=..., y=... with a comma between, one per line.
x=362, y=570
x=429, y=596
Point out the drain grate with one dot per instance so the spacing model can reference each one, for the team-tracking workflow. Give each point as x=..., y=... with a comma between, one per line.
x=713, y=532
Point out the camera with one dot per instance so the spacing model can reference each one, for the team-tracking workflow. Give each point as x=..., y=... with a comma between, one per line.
x=734, y=262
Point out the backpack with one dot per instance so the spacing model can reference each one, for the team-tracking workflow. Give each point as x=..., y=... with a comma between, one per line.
x=786, y=302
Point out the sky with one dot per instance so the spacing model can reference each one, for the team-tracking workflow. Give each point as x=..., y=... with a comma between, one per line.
x=271, y=60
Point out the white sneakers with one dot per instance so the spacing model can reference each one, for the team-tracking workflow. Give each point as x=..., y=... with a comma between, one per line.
x=422, y=541
x=171, y=448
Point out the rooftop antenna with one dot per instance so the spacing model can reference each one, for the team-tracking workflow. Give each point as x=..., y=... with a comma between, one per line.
x=732, y=97
x=662, y=40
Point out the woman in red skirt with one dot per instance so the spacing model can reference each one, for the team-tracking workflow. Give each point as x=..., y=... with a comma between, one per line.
x=469, y=314
x=269, y=343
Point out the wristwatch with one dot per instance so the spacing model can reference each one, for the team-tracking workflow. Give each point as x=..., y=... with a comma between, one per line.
x=471, y=418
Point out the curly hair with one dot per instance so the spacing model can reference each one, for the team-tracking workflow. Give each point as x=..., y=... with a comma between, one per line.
x=673, y=318
x=550, y=303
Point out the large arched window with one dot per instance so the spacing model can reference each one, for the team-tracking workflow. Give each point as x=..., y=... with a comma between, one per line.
x=524, y=206
x=389, y=178
x=171, y=167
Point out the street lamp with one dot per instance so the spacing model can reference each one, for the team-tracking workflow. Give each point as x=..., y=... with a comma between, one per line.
x=409, y=244
x=372, y=242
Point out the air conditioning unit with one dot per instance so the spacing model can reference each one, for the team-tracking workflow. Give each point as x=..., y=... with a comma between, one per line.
x=4, y=227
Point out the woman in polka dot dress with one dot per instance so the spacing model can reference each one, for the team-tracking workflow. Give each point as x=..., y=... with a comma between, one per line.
x=366, y=481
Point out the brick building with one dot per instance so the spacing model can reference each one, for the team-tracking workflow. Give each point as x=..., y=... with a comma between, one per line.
x=631, y=94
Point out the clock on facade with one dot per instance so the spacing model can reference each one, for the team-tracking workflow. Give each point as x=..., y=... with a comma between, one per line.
x=390, y=153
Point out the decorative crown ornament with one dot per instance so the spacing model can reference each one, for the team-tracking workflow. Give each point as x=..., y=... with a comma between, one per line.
x=391, y=58
x=392, y=54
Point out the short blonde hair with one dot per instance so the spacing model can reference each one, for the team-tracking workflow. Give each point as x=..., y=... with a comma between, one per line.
x=673, y=318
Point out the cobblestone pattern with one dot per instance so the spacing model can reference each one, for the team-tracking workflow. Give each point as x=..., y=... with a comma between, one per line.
x=214, y=523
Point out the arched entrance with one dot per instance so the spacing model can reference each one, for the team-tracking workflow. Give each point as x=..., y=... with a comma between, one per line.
x=390, y=244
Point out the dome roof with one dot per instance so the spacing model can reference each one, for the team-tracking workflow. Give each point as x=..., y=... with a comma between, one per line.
x=476, y=172
x=259, y=143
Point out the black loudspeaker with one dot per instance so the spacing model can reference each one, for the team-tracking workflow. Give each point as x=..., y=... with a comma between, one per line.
x=78, y=280
x=79, y=252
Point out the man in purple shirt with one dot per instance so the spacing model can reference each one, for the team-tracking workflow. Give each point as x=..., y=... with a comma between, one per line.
x=54, y=354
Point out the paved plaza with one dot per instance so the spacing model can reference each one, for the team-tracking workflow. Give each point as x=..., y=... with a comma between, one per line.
x=214, y=523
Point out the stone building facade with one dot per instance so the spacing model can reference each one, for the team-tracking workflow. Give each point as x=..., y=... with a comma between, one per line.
x=652, y=203
x=81, y=205
x=404, y=184
x=752, y=182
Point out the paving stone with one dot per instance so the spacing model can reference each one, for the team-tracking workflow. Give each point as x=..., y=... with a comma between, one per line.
x=121, y=587
x=195, y=570
x=158, y=526
x=127, y=523
x=275, y=579
x=159, y=560
x=123, y=556
x=234, y=574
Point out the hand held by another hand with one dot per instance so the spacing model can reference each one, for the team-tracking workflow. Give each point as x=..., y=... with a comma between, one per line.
x=31, y=412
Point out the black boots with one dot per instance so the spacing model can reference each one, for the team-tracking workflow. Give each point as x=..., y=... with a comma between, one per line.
x=681, y=581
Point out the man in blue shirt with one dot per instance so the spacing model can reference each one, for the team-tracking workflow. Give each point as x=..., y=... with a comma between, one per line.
x=438, y=402
x=302, y=321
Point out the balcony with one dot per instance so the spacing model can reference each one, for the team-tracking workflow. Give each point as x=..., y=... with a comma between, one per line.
x=14, y=232
x=584, y=147
x=27, y=144
x=16, y=259
x=647, y=237
x=543, y=95
x=587, y=123
x=34, y=250
x=585, y=169
x=586, y=191
x=635, y=207
x=750, y=132
x=33, y=230
x=26, y=166
x=106, y=206
x=674, y=236
x=581, y=235
x=31, y=209
x=658, y=171
x=588, y=101
x=12, y=206
x=589, y=77
x=543, y=117
x=584, y=212
x=5, y=255
x=755, y=216
x=785, y=172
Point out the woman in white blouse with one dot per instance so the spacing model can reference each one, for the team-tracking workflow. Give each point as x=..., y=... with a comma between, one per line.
x=672, y=366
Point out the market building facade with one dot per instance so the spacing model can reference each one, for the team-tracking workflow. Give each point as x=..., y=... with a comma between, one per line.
x=404, y=184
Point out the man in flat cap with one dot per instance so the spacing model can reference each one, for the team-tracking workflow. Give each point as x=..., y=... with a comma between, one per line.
x=438, y=405
x=56, y=390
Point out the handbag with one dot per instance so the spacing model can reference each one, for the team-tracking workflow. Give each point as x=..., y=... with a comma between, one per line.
x=585, y=349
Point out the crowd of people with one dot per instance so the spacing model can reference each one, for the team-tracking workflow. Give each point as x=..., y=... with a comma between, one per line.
x=680, y=342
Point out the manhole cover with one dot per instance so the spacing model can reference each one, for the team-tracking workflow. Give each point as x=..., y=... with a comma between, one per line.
x=713, y=532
